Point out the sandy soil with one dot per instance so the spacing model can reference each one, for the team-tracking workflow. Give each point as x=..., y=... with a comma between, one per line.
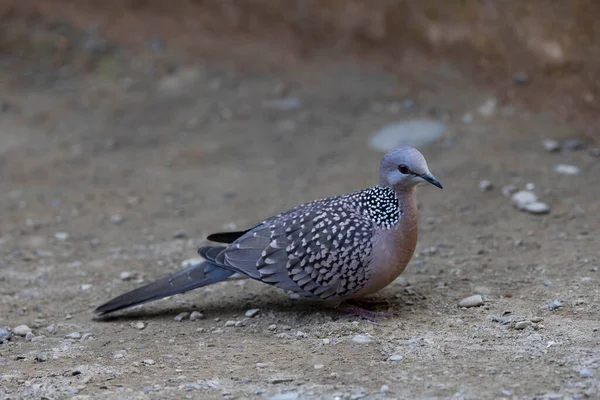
x=120, y=164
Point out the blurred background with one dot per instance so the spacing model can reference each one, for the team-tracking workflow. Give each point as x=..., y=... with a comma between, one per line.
x=129, y=130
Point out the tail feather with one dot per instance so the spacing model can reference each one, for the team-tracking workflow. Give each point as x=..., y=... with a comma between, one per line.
x=193, y=277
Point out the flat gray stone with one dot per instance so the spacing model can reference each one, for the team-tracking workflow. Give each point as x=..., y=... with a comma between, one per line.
x=414, y=133
x=471, y=301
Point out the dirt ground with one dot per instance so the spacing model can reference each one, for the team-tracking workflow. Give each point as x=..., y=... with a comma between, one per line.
x=114, y=168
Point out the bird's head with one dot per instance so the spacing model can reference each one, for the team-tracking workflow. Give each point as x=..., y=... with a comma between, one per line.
x=403, y=168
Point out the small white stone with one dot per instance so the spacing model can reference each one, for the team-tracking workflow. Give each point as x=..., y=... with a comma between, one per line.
x=522, y=324
x=362, y=339
x=230, y=323
x=566, y=169
x=253, y=312
x=471, y=301
x=138, y=325
x=126, y=275
x=524, y=197
x=530, y=186
x=395, y=357
x=272, y=327
x=537, y=207
x=86, y=286
x=181, y=316
x=21, y=330
x=293, y=296
x=318, y=366
x=384, y=388
x=148, y=361
x=486, y=186
x=551, y=146
x=73, y=335
x=29, y=336
x=488, y=108
x=116, y=219
x=195, y=315
x=62, y=236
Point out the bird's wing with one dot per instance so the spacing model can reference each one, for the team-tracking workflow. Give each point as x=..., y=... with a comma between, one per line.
x=317, y=252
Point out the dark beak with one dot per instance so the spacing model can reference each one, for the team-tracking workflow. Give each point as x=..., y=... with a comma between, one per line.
x=431, y=179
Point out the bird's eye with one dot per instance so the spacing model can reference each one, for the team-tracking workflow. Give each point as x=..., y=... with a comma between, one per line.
x=403, y=169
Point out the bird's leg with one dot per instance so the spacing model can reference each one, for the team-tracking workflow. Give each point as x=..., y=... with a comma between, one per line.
x=355, y=310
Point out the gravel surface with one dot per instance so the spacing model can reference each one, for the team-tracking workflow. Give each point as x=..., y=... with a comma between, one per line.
x=114, y=176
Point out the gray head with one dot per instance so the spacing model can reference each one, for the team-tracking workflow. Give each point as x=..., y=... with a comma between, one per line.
x=403, y=168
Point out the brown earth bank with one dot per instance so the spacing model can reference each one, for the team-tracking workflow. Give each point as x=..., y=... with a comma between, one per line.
x=551, y=47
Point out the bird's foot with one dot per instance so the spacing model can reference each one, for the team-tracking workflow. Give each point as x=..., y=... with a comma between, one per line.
x=354, y=310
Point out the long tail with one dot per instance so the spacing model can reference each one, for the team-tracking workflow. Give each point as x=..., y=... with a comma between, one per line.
x=193, y=277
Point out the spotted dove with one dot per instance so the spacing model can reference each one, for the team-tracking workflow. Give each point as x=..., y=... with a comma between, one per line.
x=334, y=249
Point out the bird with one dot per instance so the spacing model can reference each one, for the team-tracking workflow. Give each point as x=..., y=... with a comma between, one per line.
x=337, y=249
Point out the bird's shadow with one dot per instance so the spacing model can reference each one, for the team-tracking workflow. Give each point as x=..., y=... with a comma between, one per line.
x=284, y=308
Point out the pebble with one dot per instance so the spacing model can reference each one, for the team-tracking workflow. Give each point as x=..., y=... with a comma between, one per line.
x=362, y=339
x=527, y=201
x=520, y=79
x=21, y=330
x=395, y=357
x=5, y=335
x=127, y=275
x=486, y=186
x=566, y=169
x=520, y=199
x=29, y=336
x=595, y=152
x=148, y=361
x=585, y=373
x=555, y=304
x=529, y=186
x=62, y=236
x=488, y=108
x=86, y=286
x=41, y=357
x=293, y=296
x=384, y=388
x=51, y=328
x=253, y=312
x=272, y=327
x=196, y=315
x=230, y=323
x=551, y=146
x=116, y=219
x=548, y=283
x=318, y=366
x=574, y=144
x=537, y=208
x=471, y=301
x=181, y=316
x=180, y=235
x=138, y=325
x=414, y=133
x=522, y=324
x=301, y=335
x=73, y=335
